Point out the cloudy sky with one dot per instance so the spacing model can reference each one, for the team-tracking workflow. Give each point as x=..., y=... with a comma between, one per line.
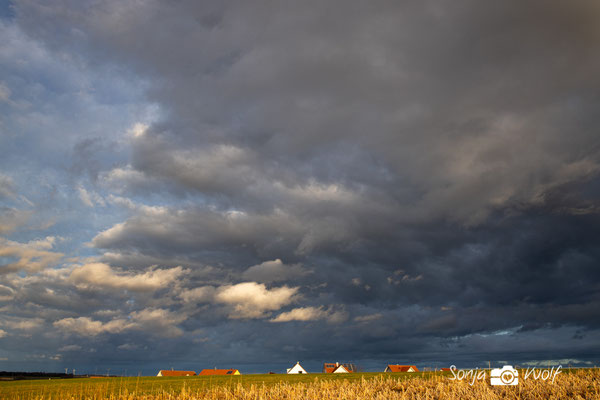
x=247, y=184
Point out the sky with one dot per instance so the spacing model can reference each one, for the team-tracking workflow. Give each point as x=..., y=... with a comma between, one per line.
x=245, y=185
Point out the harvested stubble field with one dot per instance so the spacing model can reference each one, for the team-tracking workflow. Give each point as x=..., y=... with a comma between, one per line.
x=579, y=384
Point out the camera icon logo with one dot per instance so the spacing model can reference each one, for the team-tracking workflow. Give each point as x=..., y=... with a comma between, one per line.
x=506, y=375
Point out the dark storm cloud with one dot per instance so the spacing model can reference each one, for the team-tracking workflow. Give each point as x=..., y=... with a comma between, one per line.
x=422, y=171
x=449, y=122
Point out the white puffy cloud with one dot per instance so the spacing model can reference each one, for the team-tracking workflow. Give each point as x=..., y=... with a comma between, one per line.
x=153, y=321
x=331, y=315
x=243, y=300
x=254, y=300
x=23, y=324
x=100, y=275
x=32, y=256
x=85, y=326
x=301, y=314
x=273, y=271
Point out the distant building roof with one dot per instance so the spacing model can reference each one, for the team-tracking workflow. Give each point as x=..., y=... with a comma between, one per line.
x=168, y=372
x=401, y=368
x=216, y=371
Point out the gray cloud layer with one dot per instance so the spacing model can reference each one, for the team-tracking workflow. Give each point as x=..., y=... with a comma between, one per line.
x=408, y=180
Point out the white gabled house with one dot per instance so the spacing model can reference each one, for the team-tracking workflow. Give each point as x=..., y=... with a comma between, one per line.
x=335, y=368
x=340, y=370
x=297, y=369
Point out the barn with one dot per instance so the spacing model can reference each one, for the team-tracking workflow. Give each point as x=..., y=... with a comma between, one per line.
x=216, y=371
x=297, y=369
x=170, y=372
x=401, y=368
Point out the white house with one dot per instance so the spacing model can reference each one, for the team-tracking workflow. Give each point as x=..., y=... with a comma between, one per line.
x=297, y=369
x=336, y=368
x=340, y=370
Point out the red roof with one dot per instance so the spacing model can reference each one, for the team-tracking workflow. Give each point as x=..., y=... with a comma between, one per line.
x=168, y=372
x=218, y=372
x=402, y=368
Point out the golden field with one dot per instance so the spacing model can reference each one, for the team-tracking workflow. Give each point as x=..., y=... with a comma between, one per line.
x=574, y=384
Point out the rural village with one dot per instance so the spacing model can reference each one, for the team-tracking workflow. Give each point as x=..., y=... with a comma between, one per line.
x=328, y=368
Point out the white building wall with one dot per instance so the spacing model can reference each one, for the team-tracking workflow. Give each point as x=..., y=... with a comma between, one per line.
x=296, y=369
x=340, y=370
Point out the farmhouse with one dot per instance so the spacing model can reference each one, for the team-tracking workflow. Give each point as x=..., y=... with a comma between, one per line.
x=335, y=368
x=219, y=372
x=401, y=368
x=168, y=372
x=297, y=369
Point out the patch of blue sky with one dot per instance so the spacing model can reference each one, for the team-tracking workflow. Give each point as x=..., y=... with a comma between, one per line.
x=6, y=9
x=53, y=105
